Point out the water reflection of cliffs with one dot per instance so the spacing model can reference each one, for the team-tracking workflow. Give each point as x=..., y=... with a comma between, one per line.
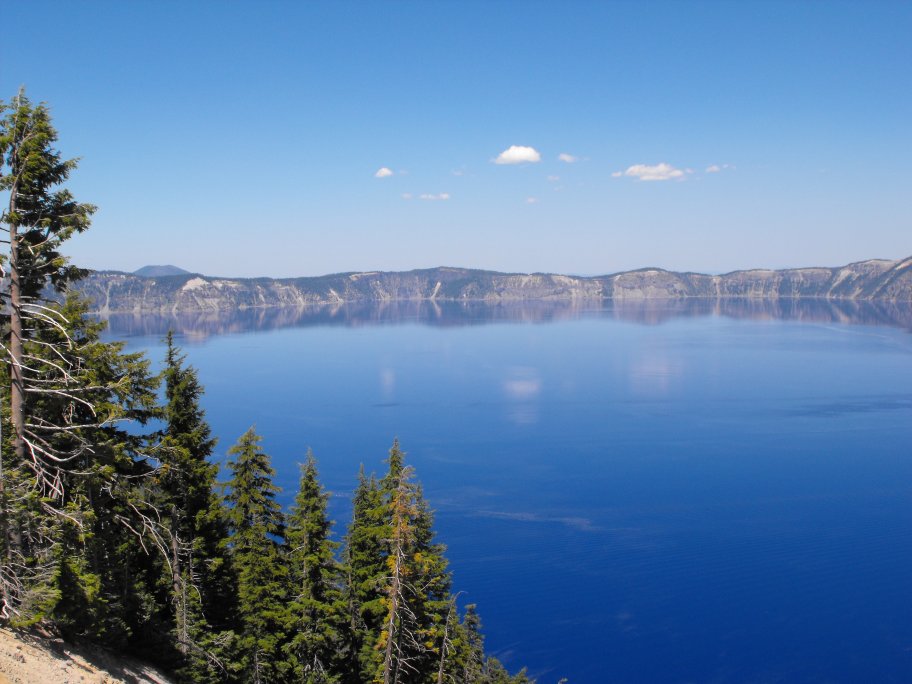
x=201, y=325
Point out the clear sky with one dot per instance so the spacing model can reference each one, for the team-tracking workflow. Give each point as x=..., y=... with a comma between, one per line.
x=291, y=138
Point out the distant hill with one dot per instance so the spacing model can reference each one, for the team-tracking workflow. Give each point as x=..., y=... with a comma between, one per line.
x=159, y=271
x=875, y=279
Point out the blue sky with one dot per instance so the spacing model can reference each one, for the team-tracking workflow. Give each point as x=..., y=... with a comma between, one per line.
x=242, y=138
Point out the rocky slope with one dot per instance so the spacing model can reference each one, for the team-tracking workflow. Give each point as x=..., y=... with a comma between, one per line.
x=113, y=292
x=30, y=658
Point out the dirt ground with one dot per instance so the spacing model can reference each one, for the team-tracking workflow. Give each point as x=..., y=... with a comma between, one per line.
x=34, y=658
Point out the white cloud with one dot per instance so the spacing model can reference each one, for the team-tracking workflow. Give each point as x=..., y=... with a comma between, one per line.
x=434, y=198
x=714, y=168
x=554, y=179
x=406, y=195
x=567, y=158
x=531, y=200
x=383, y=172
x=659, y=172
x=617, y=174
x=518, y=154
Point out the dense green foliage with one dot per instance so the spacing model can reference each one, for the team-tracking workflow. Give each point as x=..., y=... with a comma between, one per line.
x=113, y=526
x=236, y=590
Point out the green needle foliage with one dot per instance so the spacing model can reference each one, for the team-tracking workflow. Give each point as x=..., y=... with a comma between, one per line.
x=416, y=592
x=42, y=217
x=257, y=530
x=365, y=576
x=117, y=534
x=317, y=610
x=73, y=544
x=202, y=587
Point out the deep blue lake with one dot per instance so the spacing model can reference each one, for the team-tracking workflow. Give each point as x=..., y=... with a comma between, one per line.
x=662, y=492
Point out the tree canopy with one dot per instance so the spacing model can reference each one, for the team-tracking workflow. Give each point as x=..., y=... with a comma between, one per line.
x=114, y=527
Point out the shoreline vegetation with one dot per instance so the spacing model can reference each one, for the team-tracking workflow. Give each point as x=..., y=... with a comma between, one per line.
x=114, y=529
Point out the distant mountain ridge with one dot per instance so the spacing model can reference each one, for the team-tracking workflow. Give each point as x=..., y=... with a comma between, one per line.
x=112, y=291
x=159, y=271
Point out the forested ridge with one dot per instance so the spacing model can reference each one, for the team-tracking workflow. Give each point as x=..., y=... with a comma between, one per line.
x=115, y=528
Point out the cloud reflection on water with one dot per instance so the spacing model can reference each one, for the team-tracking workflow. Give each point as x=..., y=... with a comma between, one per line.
x=522, y=387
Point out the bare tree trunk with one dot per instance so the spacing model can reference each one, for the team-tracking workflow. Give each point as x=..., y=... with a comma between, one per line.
x=16, y=412
x=256, y=666
x=444, y=644
x=178, y=593
x=395, y=589
x=6, y=604
x=391, y=664
x=17, y=387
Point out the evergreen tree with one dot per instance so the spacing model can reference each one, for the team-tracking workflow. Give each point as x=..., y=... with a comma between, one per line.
x=398, y=643
x=495, y=673
x=201, y=585
x=365, y=576
x=256, y=527
x=470, y=665
x=432, y=583
x=316, y=605
x=471, y=659
x=37, y=218
x=416, y=591
x=99, y=516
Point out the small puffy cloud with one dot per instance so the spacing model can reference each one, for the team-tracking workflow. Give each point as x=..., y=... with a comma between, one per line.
x=713, y=168
x=434, y=198
x=617, y=174
x=531, y=200
x=567, y=158
x=383, y=172
x=658, y=172
x=518, y=154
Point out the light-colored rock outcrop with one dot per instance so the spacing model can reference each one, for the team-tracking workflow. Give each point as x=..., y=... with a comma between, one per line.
x=113, y=292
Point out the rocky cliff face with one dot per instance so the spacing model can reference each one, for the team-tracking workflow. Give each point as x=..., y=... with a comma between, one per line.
x=113, y=292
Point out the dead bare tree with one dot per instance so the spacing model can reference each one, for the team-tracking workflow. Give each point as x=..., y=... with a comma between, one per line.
x=400, y=641
x=446, y=640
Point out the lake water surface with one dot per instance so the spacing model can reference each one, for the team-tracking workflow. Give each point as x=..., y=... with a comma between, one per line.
x=690, y=491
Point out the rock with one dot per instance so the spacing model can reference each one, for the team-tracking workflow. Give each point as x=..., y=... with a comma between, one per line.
x=113, y=292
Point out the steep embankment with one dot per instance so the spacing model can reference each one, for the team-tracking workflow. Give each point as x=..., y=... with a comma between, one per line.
x=33, y=658
x=122, y=292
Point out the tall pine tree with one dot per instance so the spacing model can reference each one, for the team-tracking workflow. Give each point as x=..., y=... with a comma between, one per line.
x=364, y=563
x=257, y=530
x=202, y=590
x=415, y=592
x=316, y=607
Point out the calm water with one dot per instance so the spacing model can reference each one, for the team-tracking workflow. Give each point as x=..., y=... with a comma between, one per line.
x=670, y=492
